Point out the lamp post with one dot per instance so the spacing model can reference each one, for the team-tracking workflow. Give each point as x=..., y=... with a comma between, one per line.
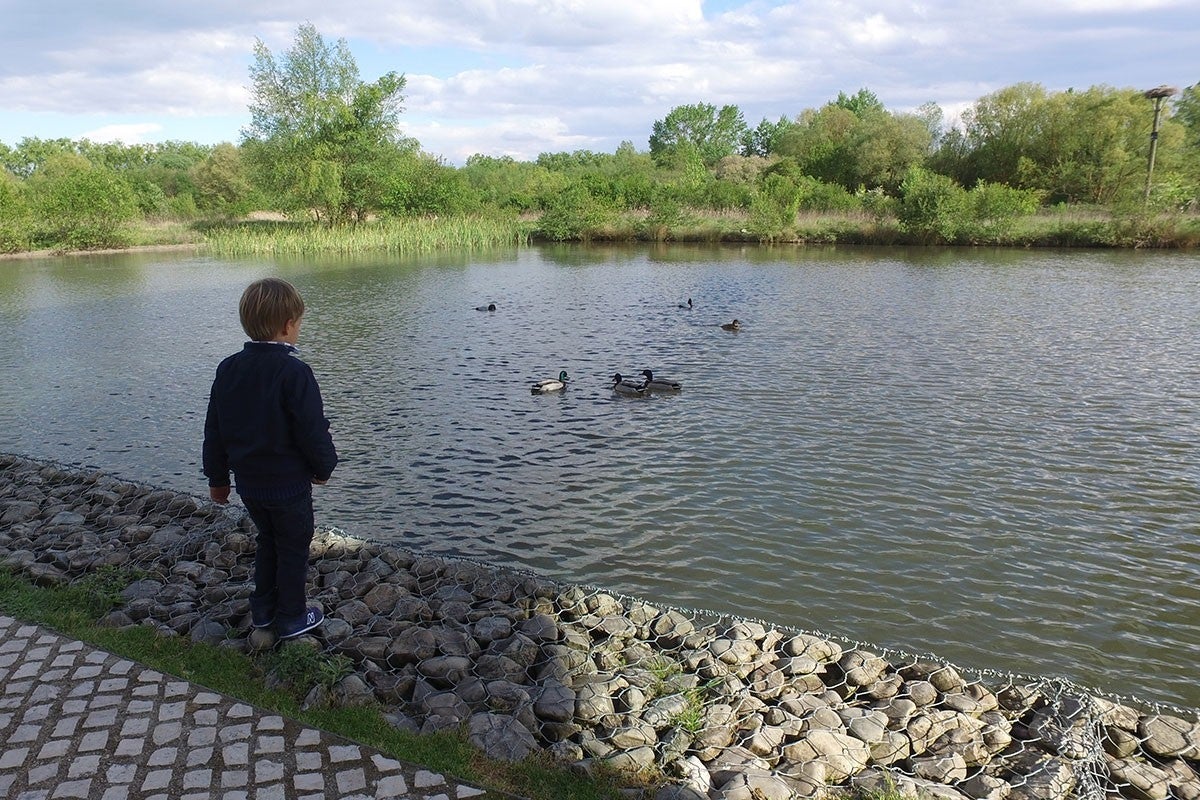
x=1157, y=95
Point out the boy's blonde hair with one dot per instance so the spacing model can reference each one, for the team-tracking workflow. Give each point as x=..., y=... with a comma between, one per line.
x=266, y=307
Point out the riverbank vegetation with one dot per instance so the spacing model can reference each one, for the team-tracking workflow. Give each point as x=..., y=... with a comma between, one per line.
x=1023, y=166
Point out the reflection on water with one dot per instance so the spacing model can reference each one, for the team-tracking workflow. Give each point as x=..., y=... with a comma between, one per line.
x=986, y=455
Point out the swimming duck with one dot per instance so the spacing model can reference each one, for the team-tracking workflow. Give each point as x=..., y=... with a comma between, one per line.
x=623, y=385
x=687, y=305
x=732, y=326
x=488, y=307
x=659, y=385
x=550, y=384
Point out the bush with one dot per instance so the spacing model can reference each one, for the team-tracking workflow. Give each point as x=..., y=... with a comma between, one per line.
x=666, y=215
x=574, y=215
x=15, y=234
x=817, y=195
x=81, y=207
x=933, y=207
x=774, y=207
x=877, y=202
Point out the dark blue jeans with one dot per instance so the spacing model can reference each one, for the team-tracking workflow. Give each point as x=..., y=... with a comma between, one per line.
x=285, y=531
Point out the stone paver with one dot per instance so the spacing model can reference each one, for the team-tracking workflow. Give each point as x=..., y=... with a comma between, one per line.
x=77, y=722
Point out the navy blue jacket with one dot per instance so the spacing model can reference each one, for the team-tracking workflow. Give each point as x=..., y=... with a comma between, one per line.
x=267, y=424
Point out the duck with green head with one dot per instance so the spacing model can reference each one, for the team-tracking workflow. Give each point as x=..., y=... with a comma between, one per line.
x=550, y=384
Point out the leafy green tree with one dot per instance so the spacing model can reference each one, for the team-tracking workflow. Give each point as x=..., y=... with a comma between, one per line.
x=1187, y=112
x=932, y=206
x=14, y=214
x=1087, y=146
x=223, y=184
x=31, y=153
x=574, y=215
x=854, y=141
x=710, y=133
x=427, y=185
x=763, y=138
x=320, y=139
x=773, y=207
x=861, y=103
x=79, y=205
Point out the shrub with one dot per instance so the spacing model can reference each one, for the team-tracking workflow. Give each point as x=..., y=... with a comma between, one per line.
x=15, y=232
x=574, y=215
x=81, y=207
x=932, y=207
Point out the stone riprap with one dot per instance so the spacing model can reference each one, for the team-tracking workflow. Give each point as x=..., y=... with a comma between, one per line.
x=706, y=706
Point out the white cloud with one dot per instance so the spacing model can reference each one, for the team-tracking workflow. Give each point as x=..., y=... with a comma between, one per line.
x=527, y=76
x=131, y=133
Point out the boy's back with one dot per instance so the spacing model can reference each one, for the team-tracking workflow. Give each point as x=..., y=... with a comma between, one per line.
x=266, y=423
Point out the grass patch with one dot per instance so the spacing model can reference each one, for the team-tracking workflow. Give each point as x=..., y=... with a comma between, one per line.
x=75, y=610
x=411, y=235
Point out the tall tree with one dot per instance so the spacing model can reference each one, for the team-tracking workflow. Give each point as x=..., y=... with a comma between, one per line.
x=320, y=139
x=710, y=133
x=854, y=141
x=1187, y=111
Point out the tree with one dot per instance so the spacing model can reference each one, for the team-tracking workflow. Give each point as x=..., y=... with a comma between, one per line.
x=854, y=141
x=1187, y=112
x=320, y=138
x=79, y=205
x=222, y=183
x=763, y=139
x=709, y=133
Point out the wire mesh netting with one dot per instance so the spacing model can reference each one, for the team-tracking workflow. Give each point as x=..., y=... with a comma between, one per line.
x=702, y=705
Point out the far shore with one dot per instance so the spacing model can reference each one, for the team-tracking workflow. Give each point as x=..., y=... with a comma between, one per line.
x=141, y=248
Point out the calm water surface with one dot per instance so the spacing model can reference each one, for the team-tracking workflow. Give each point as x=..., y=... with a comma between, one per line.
x=990, y=456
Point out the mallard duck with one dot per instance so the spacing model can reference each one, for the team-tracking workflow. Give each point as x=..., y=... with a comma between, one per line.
x=732, y=326
x=687, y=305
x=658, y=384
x=488, y=307
x=550, y=384
x=623, y=385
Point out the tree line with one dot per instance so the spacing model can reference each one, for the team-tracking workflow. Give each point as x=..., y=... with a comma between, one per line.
x=325, y=145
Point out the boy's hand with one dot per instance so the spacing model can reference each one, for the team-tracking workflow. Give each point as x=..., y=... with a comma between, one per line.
x=219, y=494
x=316, y=482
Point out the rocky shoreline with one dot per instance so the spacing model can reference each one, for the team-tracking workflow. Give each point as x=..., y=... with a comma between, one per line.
x=713, y=707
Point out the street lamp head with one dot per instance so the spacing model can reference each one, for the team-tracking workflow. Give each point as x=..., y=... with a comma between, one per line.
x=1160, y=92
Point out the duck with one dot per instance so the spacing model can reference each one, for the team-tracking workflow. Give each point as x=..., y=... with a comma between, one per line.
x=622, y=385
x=658, y=384
x=732, y=326
x=687, y=305
x=488, y=307
x=550, y=384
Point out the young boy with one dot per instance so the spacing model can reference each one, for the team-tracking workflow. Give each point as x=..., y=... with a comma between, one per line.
x=267, y=424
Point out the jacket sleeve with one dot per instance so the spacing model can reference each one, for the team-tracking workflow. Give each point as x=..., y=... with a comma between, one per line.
x=215, y=459
x=310, y=426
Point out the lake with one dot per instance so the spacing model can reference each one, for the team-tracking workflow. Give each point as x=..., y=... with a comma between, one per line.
x=989, y=455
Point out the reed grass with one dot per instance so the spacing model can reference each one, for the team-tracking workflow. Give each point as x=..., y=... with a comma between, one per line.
x=396, y=236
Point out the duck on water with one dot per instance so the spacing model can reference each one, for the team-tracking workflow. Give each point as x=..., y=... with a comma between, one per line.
x=628, y=386
x=550, y=384
x=660, y=384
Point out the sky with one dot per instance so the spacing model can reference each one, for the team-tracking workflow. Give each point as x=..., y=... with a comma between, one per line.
x=523, y=77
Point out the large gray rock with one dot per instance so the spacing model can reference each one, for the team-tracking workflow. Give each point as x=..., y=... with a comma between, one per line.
x=1138, y=780
x=1167, y=736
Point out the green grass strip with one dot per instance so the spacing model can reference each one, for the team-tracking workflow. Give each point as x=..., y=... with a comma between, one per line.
x=75, y=611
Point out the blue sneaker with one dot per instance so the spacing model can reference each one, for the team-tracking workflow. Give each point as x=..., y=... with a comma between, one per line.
x=311, y=619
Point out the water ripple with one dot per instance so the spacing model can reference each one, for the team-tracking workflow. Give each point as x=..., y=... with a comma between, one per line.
x=991, y=456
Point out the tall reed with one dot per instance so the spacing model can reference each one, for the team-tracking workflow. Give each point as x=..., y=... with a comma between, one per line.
x=400, y=236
